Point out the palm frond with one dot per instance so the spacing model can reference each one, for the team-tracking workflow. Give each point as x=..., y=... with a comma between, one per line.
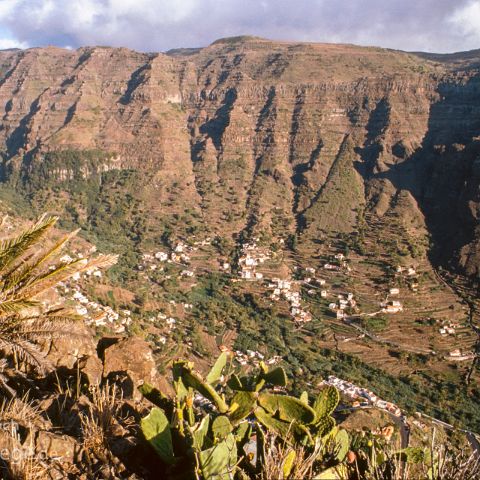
x=45, y=330
x=57, y=316
x=12, y=249
x=17, y=305
x=61, y=273
x=15, y=278
x=25, y=351
x=3, y=381
x=24, y=274
x=15, y=267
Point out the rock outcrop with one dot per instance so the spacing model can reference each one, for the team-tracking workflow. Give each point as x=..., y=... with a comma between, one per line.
x=66, y=349
x=130, y=362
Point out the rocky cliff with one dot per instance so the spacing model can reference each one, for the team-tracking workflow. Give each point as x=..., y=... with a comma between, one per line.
x=249, y=136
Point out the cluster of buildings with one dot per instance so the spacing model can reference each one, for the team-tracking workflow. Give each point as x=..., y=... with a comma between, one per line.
x=167, y=321
x=392, y=306
x=250, y=257
x=408, y=271
x=362, y=396
x=410, y=274
x=283, y=288
x=317, y=283
x=94, y=314
x=343, y=303
x=180, y=254
x=448, y=328
x=458, y=355
x=252, y=357
x=202, y=243
x=339, y=263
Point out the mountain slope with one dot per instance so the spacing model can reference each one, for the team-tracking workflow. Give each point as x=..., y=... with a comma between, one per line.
x=248, y=131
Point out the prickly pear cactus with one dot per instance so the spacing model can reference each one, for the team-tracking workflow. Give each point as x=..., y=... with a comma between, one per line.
x=155, y=396
x=219, y=461
x=193, y=380
x=326, y=402
x=235, y=383
x=281, y=428
x=199, y=433
x=342, y=445
x=156, y=429
x=324, y=426
x=213, y=437
x=216, y=372
x=221, y=427
x=277, y=377
x=304, y=398
x=241, y=405
x=290, y=409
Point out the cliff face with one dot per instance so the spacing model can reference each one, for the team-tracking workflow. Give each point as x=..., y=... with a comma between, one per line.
x=253, y=136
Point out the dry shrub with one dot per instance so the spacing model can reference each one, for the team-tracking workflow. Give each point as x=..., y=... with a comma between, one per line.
x=101, y=424
x=20, y=461
x=442, y=462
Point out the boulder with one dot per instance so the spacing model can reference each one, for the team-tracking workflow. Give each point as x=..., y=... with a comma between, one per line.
x=130, y=363
x=92, y=368
x=61, y=447
x=65, y=350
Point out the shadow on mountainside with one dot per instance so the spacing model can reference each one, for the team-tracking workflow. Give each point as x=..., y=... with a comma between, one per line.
x=443, y=175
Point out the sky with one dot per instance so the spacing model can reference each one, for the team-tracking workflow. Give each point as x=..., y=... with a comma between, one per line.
x=159, y=25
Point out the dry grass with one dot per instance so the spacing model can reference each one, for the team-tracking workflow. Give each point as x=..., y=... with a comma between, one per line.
x=277, y=456
x=101, y=424
x=20, y=460
x=452, y=464
x=305, y=462
x=29, y=468
x=383, y=463
x=440, y=462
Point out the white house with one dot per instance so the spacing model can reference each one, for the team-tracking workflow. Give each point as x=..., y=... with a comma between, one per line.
x=246, y=273
x=161, y=256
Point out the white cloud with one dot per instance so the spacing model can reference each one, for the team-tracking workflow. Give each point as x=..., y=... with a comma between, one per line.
x=7, y=7
x=467, y=21
x=11, y=43
x=163, y=24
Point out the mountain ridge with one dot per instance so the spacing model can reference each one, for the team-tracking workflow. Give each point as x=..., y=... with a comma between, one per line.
x=285, y=106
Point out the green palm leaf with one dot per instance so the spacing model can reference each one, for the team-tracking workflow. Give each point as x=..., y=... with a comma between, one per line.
x=24, y=274
x=12, y=249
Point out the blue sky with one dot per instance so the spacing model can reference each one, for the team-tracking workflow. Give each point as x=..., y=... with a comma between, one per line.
x=158, y=25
